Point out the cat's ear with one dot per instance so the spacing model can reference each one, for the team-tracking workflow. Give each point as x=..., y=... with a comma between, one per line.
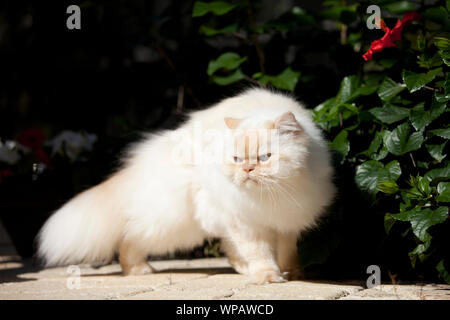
x=287, y=123
x=232, y=123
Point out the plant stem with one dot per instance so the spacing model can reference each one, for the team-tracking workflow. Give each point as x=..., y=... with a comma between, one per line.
x=255, y=40
x=412, y=159
x=250, y=79
x=430, y=88
x=186, y=87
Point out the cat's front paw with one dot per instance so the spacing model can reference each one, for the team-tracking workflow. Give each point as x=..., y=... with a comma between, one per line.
x=292, y=274
x=266, y=276
x=138, y=269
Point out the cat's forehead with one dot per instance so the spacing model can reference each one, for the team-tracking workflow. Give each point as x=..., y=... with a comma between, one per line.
x=254, y=140
x=259, y=135
x=250, y=124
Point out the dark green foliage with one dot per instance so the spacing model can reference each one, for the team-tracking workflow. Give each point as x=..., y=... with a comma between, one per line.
x=404, y=144
x=388, y=124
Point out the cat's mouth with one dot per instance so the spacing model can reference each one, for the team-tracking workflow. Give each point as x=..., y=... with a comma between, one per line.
x=250, y=180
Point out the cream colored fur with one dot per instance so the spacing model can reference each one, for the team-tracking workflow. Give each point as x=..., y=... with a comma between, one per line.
x=157, y=202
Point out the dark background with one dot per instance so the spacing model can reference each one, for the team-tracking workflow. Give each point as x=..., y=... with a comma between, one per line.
x=124, y=67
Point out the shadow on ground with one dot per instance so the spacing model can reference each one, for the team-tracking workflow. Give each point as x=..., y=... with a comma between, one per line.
x=208, y=271
x=13, y=267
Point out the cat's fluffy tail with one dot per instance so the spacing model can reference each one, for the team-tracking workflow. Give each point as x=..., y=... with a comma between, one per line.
x=87, y=229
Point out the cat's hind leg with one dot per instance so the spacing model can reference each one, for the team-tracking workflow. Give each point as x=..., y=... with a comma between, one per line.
x=133, y=259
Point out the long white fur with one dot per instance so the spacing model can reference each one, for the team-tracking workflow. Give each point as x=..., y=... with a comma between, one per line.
x=167, y=206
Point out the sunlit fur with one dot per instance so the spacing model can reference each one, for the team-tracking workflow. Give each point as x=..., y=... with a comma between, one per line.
x=153, y=205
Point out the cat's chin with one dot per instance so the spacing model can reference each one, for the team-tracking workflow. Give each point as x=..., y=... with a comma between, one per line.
x=247, y=184
x=250, y=183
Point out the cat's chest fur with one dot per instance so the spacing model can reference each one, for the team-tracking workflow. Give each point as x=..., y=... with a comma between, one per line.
x=219, y=203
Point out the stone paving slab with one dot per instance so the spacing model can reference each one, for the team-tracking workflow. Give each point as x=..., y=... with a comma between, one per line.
x=184, y=279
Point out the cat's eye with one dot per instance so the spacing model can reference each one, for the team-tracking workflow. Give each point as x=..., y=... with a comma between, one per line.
x=265, y=157
x=237, y=159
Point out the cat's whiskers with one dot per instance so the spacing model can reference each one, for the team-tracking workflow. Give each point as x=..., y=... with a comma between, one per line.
x=290, y=196
x=282, y=187
x=274, y=195
x=270, y=193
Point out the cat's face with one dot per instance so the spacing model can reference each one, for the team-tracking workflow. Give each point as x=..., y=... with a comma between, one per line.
x=265, y=152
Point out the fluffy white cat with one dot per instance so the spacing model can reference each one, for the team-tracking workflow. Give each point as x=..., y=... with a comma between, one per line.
x=252, y=170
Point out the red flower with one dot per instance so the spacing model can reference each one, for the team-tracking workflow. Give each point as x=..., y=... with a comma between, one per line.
x=391, y=35
x=42, y=156
x=32, y=138
x=5, y=173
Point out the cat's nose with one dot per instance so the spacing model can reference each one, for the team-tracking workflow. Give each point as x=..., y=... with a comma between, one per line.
x=248, y=169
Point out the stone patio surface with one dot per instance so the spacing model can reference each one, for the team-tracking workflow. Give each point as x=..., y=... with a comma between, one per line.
x=184, y=279
x=179, y=280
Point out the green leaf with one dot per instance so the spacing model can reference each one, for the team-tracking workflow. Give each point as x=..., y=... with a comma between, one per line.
x=400, y=141
x=445, y=55
x=421, y=189
x=285, y=22
x=443, y=274
x=422, y=219
x=419, y=251
x=443, y=189
x=257, y=75
x=232, y=78
x=389, y=89
x=436, y=150
x=208, y=31
x=387, y=63
x=348, y=88
x=423, y=185
x=341, y=143
x=370, y=173
x=443, y=133
x=389, y=187
x=216, y=7
x=437, y=14
x=400, y=7
x=227, y=61
x=349, y=107
x=286, y=80
x=345, y=14
x=439, y=173
x=441, y=97
x=390, y=113
x=346, y=110
x=423, y=164
x=447, y=87
x=320, y=112
x=421, y=43
x=437, y=108
x=416, y=81
x=419, y=117
x=374, y=151
x=442, y=43
x=364, y=91
x=425, y=62
x=388, y=222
